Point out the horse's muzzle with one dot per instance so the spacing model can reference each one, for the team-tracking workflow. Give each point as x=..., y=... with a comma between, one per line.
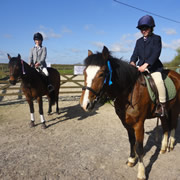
x=88, y=107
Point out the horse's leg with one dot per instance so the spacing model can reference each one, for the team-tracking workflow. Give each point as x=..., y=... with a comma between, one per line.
x=40, y=102
x=57, y=106
x=139, y=134
x=164, y=143
x=132, y=158
x=173, y=115
x=50, y=107
x=31, y=106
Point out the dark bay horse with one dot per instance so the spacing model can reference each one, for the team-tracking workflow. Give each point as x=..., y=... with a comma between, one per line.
x=122, y=83
x=34, y=85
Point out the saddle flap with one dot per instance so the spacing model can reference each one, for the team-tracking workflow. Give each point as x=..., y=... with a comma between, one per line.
x=169, y=86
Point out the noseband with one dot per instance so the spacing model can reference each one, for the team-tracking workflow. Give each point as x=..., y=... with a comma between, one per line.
x=90, y=89
x=108, y=77
x=98, y=95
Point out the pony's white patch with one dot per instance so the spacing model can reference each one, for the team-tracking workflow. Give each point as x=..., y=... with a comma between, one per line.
x=91, y=73
x=141, y=171
x=171, y=139
x=32, y=117
x=42, y=118
x=164, y=142
x=132, y=160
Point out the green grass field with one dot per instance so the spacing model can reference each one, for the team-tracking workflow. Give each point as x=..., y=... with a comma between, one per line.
x=63, y=69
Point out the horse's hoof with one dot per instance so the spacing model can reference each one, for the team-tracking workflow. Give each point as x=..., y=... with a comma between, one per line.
x=43, y=126
x=162, y=151
x=130, y=164
x=31, y=124
x=169, y=149
x=49, y=112
x=141, y=179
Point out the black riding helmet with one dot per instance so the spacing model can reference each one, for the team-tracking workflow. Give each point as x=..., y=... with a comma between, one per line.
x=38, y=36
x=146, y=21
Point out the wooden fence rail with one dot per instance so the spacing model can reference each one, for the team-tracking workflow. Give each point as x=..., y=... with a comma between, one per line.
x=70, y=84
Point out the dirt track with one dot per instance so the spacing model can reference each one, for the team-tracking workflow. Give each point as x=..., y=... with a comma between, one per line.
x=77, y=145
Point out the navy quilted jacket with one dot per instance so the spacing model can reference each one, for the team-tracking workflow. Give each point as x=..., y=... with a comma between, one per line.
x=148, y=52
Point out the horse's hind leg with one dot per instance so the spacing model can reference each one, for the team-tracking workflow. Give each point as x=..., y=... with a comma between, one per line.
x=164, y=143
x=132, y=158
x=173, y=115
x=40, y=102
x=57, y=106
x=50, y=108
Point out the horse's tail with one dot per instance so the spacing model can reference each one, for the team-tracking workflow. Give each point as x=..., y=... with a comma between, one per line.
x=52, y=97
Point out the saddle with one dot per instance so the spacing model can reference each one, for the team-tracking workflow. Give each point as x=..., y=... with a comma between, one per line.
x=152, y=88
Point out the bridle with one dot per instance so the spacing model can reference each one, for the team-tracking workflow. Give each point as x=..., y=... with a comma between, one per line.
x=107, y=81
x=97, y=94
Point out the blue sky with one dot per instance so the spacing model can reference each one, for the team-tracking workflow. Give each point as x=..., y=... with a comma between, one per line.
x=72, y=27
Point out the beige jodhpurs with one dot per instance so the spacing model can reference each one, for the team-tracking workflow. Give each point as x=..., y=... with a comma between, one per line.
x=160, y=86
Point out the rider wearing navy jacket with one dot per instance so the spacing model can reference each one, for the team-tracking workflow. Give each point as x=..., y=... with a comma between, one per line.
x=146, y=53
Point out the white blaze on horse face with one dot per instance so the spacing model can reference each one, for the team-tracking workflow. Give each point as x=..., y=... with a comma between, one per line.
x=91, y=72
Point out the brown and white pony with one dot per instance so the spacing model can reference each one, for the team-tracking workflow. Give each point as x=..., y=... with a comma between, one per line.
x=34, y=85
x=122, y=83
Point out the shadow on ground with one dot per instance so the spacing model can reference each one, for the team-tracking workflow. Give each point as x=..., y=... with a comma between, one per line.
x=151, y=142
x=72, y=112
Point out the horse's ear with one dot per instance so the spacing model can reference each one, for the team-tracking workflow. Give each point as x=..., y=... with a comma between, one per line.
x=9, y=57
x=19, y=56
x=105, y=53
x=90, y=53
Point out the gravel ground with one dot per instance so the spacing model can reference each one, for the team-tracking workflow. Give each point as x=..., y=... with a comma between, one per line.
x=77, y=145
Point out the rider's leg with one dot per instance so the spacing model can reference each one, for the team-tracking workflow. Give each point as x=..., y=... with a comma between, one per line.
x=157, y=76
x=50, y=86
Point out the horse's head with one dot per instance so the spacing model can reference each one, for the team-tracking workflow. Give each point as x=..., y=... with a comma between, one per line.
x=95, y=73
x=15, y=68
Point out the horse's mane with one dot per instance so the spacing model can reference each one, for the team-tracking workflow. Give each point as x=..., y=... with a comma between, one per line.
x=124, y=74
x=30, y=72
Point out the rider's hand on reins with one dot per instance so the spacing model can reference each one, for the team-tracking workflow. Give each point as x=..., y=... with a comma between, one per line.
x=37, y=65
x=143, y=67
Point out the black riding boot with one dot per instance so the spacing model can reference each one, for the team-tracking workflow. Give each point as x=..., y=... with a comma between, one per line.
x=161, y=110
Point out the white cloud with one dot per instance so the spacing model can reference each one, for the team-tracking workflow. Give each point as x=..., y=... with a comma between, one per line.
x=170, y=31
x=66, y=30
x=118, y=47
x=100, y=32
x=124, y=45
x=98, y=44
x=88, y=26
x=175, y=44
x=137, y=35
x=74, y=50
x=49, y=33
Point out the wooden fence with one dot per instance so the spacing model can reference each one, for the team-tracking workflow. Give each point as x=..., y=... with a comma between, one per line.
x=70, y=84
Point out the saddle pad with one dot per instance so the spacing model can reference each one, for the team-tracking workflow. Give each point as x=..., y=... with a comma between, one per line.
x=170, y=89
